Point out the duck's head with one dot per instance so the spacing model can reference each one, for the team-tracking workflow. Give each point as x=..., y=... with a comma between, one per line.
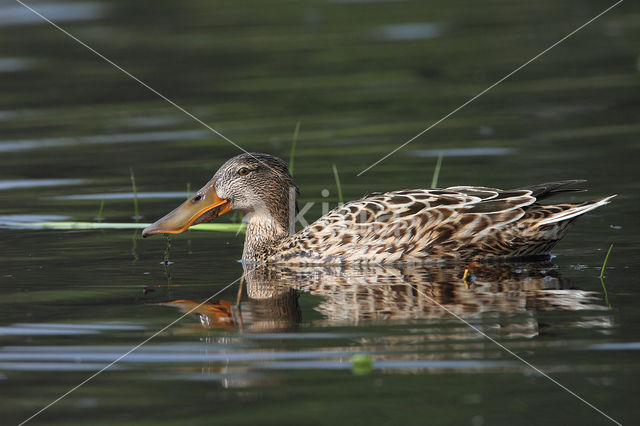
x=252, y=183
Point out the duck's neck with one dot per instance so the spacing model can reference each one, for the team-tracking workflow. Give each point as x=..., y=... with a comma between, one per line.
x=264, y=231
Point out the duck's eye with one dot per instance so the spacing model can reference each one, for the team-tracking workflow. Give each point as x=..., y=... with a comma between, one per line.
x=243, y=171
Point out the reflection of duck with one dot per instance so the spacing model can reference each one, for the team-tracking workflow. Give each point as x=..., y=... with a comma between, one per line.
x=353, y=294
x=460, y=222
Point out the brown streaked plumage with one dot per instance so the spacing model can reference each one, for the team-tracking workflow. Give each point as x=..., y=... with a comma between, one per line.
x=414, y=225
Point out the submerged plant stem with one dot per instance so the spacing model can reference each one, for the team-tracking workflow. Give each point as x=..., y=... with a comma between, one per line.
x=134, y=245
x=136, y=213
x=167, y=252
x=606, y=294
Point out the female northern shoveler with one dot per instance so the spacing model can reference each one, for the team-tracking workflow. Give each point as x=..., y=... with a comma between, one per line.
x=414, y=225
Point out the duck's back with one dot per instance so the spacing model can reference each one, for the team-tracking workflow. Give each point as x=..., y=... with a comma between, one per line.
x=419, y=225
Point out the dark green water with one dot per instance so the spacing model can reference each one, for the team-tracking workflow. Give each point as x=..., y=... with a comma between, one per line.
x=362, y=78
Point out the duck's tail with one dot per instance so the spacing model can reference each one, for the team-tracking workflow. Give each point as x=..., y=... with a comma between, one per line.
x=574, y=211
x=548, y=189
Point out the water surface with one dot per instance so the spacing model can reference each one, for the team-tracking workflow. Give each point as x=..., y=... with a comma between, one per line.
x=361, y=77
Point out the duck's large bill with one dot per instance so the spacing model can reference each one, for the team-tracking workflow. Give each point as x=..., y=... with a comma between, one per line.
x=201, y=207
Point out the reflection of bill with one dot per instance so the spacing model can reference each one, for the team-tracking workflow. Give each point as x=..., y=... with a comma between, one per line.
x=261, y=315
x=213, y=314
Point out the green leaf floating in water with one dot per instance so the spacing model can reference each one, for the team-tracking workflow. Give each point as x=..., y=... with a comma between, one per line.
x=361, y=364
x=220, y=227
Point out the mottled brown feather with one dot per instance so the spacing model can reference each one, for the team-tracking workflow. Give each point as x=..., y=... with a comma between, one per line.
x=431, y=225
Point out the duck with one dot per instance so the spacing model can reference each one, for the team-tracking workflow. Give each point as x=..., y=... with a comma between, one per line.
x=458, y=223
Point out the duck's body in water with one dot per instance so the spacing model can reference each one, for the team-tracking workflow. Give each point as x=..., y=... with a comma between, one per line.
x=414, y=225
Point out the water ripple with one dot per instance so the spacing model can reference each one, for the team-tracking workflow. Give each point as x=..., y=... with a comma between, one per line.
x=29, y=144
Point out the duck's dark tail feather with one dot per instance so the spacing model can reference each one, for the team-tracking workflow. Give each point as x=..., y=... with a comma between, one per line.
x=544, y=190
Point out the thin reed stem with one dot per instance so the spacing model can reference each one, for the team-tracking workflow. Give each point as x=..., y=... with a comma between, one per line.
x=296, y=132
x=338, y=185
x=436, y=172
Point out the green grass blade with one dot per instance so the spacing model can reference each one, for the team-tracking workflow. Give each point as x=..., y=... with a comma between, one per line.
x=337, y=178
x=296, y=132
x=220, y=227
x=606, y=259
x=99, y=218
x=436, y=172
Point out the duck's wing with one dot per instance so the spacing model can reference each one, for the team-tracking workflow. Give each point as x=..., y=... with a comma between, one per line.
x=404, y=225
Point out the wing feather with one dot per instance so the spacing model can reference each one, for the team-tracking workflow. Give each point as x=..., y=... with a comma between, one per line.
x=420, y=224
